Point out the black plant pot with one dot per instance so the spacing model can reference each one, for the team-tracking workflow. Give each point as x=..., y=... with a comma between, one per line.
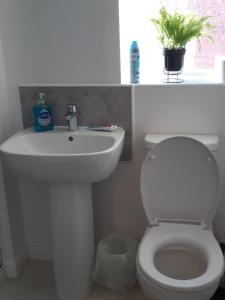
x=173, y=59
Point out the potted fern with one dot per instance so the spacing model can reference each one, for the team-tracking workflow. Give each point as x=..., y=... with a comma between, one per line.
x=175, y=31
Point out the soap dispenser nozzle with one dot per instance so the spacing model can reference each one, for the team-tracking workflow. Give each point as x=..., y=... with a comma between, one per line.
x=41, y=98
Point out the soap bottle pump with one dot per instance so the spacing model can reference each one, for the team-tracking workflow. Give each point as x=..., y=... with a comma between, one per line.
x=42, y=115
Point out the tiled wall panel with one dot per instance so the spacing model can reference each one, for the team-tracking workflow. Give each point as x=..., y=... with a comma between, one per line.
x=96, y=105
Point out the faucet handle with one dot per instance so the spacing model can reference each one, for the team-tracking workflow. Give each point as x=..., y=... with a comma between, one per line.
x=71, y=108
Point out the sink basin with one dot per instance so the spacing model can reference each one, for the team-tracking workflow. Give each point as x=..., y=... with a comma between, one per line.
x=69, y=162
x=63, y=156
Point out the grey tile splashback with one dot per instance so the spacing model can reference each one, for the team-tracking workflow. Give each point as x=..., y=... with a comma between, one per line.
x=96, y=105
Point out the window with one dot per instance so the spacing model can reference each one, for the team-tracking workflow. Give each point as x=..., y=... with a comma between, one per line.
x=135, y=25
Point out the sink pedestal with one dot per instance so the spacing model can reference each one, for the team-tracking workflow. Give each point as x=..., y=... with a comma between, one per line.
x=73, y=238
x=68, y=162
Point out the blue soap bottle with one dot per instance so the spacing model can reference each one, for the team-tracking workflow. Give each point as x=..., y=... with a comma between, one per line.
x=42, y=115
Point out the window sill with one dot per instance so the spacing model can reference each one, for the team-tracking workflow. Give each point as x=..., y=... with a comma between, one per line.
x=195, y=77
x=184, y=83
x=207, y=77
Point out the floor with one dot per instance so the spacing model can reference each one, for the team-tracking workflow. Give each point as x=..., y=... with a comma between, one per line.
x=37, y=283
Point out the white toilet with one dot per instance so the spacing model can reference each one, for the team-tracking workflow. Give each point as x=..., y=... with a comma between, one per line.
x=179, y=257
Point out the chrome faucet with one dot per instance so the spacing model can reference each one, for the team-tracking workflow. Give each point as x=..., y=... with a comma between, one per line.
x=71, y=117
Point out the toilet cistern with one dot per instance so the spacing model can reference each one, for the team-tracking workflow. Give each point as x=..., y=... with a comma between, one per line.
x=71, y=117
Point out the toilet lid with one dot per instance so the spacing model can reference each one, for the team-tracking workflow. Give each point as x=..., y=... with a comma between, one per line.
x=180, y=181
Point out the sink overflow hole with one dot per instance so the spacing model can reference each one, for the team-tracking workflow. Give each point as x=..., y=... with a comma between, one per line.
x=70, y=138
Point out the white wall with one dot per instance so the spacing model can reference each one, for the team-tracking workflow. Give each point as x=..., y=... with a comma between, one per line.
x=77, y=42
x=8, y=243
x=61, y=41
x=14, y=247
x=11, y=28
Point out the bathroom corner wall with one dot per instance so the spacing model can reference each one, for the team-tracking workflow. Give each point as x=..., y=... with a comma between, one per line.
x=12, y=239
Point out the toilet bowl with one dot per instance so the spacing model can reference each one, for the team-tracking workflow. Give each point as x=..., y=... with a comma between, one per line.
x=179, y=257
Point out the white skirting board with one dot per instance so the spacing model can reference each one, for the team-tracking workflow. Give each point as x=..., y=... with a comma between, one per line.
x=21, y=264
x=222, y=282
x=2, y=274
x=40, y=253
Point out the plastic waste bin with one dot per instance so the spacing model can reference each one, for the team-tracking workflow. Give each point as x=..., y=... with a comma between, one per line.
x=115, y=266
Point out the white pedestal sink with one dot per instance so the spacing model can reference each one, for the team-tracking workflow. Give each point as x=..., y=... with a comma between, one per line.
x=69, y=162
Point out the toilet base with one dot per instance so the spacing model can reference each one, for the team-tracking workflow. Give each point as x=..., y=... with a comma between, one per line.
x=154, y=292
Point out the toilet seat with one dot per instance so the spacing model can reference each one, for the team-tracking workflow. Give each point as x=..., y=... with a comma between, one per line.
x=192, y=236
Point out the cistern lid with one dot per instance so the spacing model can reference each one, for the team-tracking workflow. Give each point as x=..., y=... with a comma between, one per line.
x=180, y=182
x=209, y=140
